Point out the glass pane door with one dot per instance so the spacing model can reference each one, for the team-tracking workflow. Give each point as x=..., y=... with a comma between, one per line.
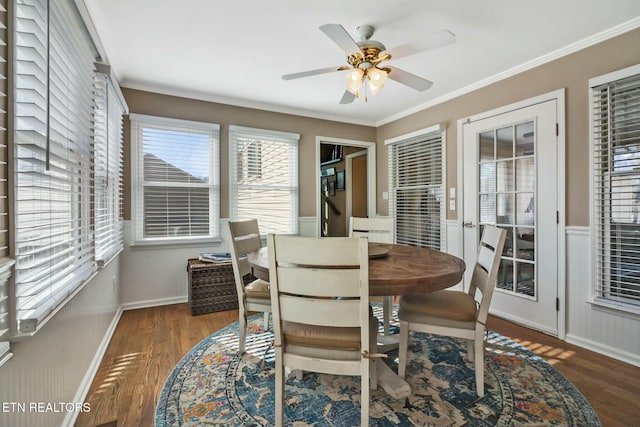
x=507, y=198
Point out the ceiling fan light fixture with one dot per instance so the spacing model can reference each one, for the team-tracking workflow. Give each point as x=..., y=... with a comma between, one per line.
x=376, y=78
x=354, y=80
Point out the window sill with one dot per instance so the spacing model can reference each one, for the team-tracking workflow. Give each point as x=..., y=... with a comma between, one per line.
x=196, y=242
x=616, y=308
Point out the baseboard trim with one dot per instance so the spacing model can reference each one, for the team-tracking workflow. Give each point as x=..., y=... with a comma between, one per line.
x=623, y=356
x=83, y=390
x=523, y=322
x=154, y=303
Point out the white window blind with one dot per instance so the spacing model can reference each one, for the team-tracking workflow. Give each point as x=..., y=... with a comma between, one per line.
x=416, y=188
x=616, y=186
x=264, y=178
x=6, y=263
x=53, y=157
x=177, y=179
x=108, y=134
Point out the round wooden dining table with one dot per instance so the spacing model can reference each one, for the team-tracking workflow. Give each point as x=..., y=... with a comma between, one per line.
x=394, y=269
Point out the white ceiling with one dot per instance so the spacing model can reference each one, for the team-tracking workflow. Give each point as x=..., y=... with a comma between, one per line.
x=236, y=51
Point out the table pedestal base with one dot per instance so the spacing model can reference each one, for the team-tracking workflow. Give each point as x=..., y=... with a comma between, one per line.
x=390, y=381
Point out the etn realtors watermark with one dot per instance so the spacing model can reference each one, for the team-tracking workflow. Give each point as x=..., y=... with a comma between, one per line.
x=44, y=407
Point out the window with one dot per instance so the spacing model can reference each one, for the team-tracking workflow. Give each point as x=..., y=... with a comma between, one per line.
x=416, y=188
x=108, y=134
x=264, y=178
x=5, y=262
x=615, y=108
x=176, y=180
x=53, y=145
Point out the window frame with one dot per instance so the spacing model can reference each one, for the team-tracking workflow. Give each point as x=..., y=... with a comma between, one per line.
x=599, y=260
x=137, y=182
x=293, y=186
x=422, y=135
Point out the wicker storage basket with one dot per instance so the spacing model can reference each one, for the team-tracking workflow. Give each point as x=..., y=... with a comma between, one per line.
x=211, y=286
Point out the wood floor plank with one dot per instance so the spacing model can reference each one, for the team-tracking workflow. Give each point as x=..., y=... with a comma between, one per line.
x=148, y=343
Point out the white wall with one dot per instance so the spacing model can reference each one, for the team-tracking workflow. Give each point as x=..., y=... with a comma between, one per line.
x=58, y=363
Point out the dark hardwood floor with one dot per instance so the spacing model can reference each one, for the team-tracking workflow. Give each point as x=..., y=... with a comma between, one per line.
x=149, y=342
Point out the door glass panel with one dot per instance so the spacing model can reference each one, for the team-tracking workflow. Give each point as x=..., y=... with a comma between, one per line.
x=487, y=205
x=525, y=174
x=505, y=275
x=504, y=172
x=525, y=139
x=525, y=244
x=488, y=177
x=525, y=208
x=486, y=146
x=525, y=284
x=504, y=143
x=507, y=197
x=505, y=211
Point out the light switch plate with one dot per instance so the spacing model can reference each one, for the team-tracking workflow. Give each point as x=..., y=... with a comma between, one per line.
x=452, y=193
x=452, y=205
x=385, y=195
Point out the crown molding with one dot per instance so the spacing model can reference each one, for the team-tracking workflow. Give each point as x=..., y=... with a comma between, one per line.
x=625, y=27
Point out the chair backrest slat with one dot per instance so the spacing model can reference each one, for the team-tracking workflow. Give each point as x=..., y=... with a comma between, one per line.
x=377, y=230
x=485, y=271
x=319, y=282
x=321, y=312
x=244, y=237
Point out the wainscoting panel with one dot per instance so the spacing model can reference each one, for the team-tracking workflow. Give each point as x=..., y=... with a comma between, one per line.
x=58, y=363
x=613, y=333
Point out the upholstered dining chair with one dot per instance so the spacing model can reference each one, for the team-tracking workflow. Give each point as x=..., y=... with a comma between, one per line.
x=377, y=230
x=457, y=313
x=254, y=296
x=314, y=330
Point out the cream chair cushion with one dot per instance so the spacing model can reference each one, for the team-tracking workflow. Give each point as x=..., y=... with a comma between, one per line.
x=446, y=308
x=258, y=289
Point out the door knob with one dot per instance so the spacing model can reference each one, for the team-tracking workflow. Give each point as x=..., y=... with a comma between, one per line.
x=468, y=224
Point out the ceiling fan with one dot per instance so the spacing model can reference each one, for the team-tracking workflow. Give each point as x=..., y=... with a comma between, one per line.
x=365, y=59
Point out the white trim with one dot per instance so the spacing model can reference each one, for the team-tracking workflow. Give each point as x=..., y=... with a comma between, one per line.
x=155, y=302
x=371, y=172
x=92, y=370
x=415, y=134
x=265, y=132
x=577, y=230
x=559, y=97
x=272, y=108
x=614, y=75
x=625, y=356
x=541, y=60
x=167, y=121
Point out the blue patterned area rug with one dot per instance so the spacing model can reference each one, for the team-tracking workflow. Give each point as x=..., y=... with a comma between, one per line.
x=213, y=385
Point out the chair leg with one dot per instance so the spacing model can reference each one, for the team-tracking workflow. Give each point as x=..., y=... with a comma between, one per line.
x=479, y=362
x=403, y=348
x=279, y=388
x=364, y=395
x=470, y=351
x=242, y=327
x=266, y=320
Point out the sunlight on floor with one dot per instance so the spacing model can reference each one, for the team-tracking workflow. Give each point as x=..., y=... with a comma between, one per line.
x=116, y=369
x=553, y=355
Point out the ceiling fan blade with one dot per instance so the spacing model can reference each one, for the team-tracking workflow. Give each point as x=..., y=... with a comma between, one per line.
x=339, y=35
x=310, y=73
x=347, y=97
x=431, y=41
x=408, y=79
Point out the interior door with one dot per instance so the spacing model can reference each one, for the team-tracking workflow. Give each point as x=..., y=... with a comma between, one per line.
x=510, y=180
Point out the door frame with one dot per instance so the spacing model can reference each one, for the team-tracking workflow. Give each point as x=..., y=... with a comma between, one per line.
x=371, y=173
x=559, y=97
x=348, y=178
